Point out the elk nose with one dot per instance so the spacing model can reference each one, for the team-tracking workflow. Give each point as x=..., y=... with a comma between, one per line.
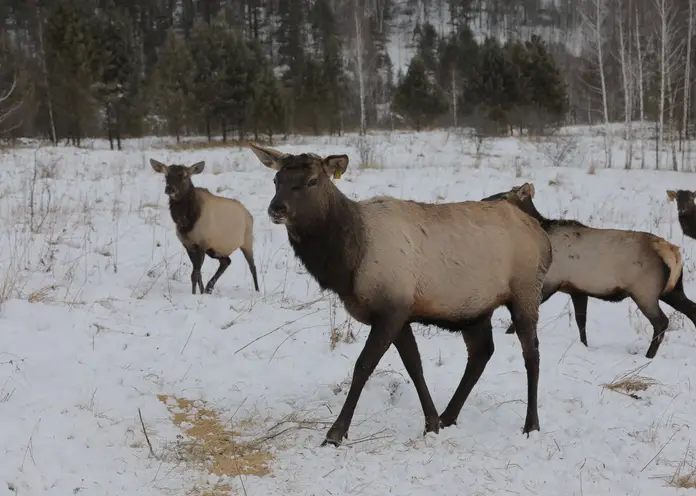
x=277, y=209
x=168, y=190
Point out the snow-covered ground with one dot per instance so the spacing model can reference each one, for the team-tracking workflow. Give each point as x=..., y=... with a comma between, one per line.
x=98, y=328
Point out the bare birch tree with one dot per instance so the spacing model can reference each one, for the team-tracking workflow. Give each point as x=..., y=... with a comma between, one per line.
x=593, y=16
x=44, y=72
x=6, y=112
x=627, y=78
x=358, y=17
x=687, y=86
x=641, y=52
x=671, y=43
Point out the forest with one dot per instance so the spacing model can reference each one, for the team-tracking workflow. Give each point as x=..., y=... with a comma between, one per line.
x=71, y=69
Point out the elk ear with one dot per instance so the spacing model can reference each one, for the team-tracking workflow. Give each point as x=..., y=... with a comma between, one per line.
x=158, y=166
x=335, y=165
x=268, y=156
x=526, y=190
x=196, y=168
x=672, y=195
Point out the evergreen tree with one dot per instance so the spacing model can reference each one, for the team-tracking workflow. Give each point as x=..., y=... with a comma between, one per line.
x=418, y=98
x=546, y=86
x=71, y=50
x=269, y=110
x=172, y=88
x=235, y=90
x=458, y=55
x=333, y=78
x=494, y=86
x=113, y=69
x=207, y=41
x=427, y=42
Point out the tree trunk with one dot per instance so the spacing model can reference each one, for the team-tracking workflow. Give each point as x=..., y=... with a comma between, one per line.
x=600, y=64
x=663, y=81
x=44, y=70
x=687, y=84
x=626, y=76
x=361, y=75
x=641, y=93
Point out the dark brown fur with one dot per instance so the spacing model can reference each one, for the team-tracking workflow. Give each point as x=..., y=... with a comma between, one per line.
x=579, y=248
x=384, y=257
x=686, y=210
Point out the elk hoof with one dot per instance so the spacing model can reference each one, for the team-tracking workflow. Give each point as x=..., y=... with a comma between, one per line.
x=334, y=437
x=529, y=427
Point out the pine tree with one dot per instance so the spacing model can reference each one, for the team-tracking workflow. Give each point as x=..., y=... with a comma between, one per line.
x=71, y=50
x=458, y=54
x=235, y=91
x=269, y=110
x=521, y=106
x=172, y=88
x=546, y=86
x=494, y=87
x=329, y=48
x=113, y=69
x=417, y=97
x=207, y=41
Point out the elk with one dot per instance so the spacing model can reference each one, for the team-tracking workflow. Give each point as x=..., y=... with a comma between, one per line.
x=394, y=262
x=207, y=224
x=686, y=210
x=610, y=265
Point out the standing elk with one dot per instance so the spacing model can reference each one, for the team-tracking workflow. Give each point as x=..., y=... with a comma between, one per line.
x=610, y=265
x=394, y=262
x=207, y=224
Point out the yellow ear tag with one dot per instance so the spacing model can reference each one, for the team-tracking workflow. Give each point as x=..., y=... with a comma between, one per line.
x=337, y=175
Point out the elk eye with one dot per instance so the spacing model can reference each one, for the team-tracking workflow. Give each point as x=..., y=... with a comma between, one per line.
x=312, y=182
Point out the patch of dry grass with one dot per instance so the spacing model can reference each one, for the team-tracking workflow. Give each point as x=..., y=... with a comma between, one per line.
x=202, y=145
x=631, y=382
x=684, y=481
x=684, y=476
x=208, y=444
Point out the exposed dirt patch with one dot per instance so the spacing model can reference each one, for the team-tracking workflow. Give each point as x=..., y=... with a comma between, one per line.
x=211, y=445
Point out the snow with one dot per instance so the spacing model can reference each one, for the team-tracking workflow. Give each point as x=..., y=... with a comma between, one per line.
x=97, y=319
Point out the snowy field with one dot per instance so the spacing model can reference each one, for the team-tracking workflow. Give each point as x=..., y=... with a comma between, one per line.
x=102, y=342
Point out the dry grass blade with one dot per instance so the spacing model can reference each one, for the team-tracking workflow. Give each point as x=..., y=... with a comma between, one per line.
x=631, y=382
x=202, y=145
x=684, y=476
x=41, y=294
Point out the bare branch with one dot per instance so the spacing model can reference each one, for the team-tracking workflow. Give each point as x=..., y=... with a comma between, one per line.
x=5, y=113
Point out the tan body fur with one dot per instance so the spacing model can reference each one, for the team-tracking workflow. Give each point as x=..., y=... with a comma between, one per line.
x=617, y=258
x=427, y=253
x=223, y=226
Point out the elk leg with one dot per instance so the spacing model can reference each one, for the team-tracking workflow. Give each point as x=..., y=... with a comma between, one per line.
x=249, y=257
x=197, y=256
x=680, y=302
x=580, y=310
x=546, y=293
x=385, y=329
x=658, y=320
x=525, y=316
x=224, y=263
x=405, y=344
x=478, y=337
